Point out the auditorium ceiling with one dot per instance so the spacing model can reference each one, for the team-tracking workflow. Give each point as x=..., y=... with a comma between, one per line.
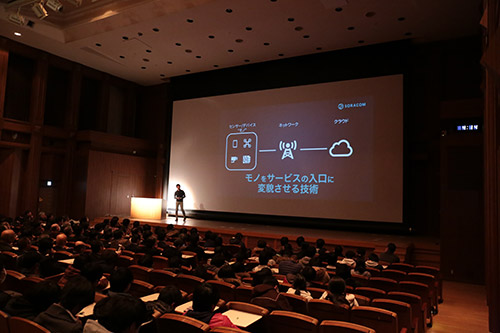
x=149, y=41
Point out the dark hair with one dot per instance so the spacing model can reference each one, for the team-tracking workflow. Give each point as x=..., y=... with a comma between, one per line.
x=309, y=273
x=336, y=289
x=120, y=279
x=93, y=272
x=96, y=246
x=226, y=272
x=339, y=250
x=178, y=185
x=171, y=295
x=350, y=254
x=299, y=284
x=117, y=234
x=373, y=257
x=45, y=244
x=146, y=261
x=218, y=260
x=205, y=297
x=261, y=243
x=271, y=280
x=120, y=312
x=263, y=258
x=320, y=242
x=43, y=294
x=391, y=247
x=260, y=276
x=77, y=293
x=300, y=240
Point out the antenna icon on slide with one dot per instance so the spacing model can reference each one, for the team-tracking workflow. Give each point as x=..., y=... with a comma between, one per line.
x=287, y=148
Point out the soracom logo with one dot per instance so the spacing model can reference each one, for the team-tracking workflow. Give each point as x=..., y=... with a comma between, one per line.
x=343, y=106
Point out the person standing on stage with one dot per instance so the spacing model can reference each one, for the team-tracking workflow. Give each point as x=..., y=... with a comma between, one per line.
x=179, y=197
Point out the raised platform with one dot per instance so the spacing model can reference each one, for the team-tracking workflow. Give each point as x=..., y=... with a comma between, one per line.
x=413, y=249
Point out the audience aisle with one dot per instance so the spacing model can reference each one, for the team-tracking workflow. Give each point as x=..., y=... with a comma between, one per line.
x=464, y=309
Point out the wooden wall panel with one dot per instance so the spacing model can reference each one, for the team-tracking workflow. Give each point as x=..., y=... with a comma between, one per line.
x=113, y=179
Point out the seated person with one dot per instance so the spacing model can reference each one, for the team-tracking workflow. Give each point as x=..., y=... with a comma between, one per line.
x=349, y=259
x=227, y=274
x=267, y=295
x=4, y=297
x=299, y=287
x=337, y=295
x=170, y=297
x=360, y=269
x=61, y=241
x=60, y=317
x=118, y=314
x=264, y=261
x=35, y=300
x=288, y=264
x=7, y=239
x=372, y=261
x=205, y=298
x=120, y=282
x=389, y=256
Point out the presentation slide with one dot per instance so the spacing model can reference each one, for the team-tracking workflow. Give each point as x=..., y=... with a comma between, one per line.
x=331, y=150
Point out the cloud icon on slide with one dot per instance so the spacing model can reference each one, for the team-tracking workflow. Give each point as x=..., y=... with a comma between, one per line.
x=341, y=148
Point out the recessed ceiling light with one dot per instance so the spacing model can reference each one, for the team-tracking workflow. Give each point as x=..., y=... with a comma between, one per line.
x=299, y=28
x=281, y=54
x=188, y=70
x=248, y=28
x=188, y=51
x=266, y=44
x=98, y=44
x=169, y=62
x=162, y=75
x=145, y=60
x=350, y=28
x=143, y=67
x=211, y=36
x=139, y=34
x=319, y=48
x=229, y=10
x=306, y=36
x=189, y=20
x=198, y=57
x=370, y=14
x=339, y=9
x=178, y=44
x=122, y=57
x=230, y=51
x=216, y=66
x=148, y=51
x=246, y=60
x=125, y=38
x=18, y=34
x=239, y=40
x=156, y=30
x=401, y=18
x=291, y=19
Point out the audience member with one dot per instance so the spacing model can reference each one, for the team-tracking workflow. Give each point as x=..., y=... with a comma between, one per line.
x=336, y=293
x=205, y=298
x=120, y=281
x=118, y=314
x=170, y=297
x=388, y=256
x=299, y=287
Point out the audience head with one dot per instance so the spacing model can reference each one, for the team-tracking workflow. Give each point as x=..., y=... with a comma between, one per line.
x=45, y=245
x=299, y=284
x=337, y=286
x=308, y=273
x=391, y=248
x=8, y=236
x=61, y=240
x=339, y=251
x=218, y=260
x=93, y=272
x=299, y=241
x=320, y=242
x=146, y=261
x=261, y=244
x=172, y=296
x=96, y=246
x=260, y=276
x=350, y=254
x=226, y=272
x=43, y=294
x=121, y=280
x=373, y=257
x=205, y=297
x=121, y=313
x=77, y=294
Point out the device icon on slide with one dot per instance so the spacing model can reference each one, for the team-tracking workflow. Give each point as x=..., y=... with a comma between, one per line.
x=287, y=148
x=241, y=151
x=341, y=148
